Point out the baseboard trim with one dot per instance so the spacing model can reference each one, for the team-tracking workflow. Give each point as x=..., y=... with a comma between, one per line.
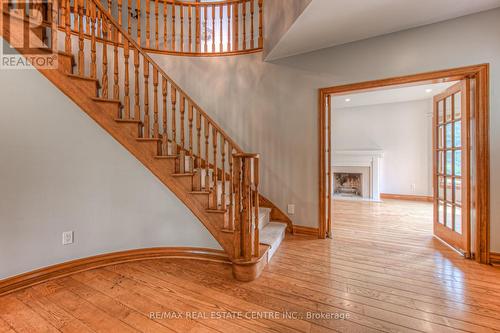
x=45, y=274
x=301, y=230
x=494, y=258
x=407, y=197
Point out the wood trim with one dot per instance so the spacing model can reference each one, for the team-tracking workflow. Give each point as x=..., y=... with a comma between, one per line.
x=408, y=197
x=482, y=171
x=494, y=258
x=302, y=230
x=202, y=54
x=79, y=265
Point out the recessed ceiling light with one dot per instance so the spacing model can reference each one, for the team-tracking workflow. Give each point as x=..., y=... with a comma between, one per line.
x=347, y=99
x=428, y=90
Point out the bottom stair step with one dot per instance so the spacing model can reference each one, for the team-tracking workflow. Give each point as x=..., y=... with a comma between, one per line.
x=272, y=234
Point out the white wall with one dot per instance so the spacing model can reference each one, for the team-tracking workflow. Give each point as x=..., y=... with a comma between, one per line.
x=402, y=131
x=271, y=108
x=60, y=171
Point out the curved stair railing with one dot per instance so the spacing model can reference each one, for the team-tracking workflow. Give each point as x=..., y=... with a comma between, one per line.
x=164, y=114
x=187, y=28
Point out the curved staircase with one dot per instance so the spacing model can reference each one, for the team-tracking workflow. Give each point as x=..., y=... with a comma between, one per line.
x=110, y=77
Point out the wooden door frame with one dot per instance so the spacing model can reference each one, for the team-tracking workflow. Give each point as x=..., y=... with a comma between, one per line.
x=482, y=158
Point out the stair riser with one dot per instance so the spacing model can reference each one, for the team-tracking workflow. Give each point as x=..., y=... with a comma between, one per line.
x=65, y=63
x=111, y=108
x=87, y=86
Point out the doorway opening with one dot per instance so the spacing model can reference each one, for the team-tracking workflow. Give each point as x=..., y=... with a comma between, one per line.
x=458, y=163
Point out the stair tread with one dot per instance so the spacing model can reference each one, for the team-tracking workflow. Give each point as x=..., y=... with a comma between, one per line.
x=272, y=235
x=108, y=100
x=83, y=77
x=217, y=211
x=200, y=192
x=148, y=139
x=184, y=174
x=160, y=157
x=128, y=120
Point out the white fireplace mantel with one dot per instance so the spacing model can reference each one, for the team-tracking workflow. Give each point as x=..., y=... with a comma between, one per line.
x=361, y=158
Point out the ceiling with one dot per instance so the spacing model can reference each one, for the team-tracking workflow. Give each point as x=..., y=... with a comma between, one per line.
x=405, y=94
x=326, y=23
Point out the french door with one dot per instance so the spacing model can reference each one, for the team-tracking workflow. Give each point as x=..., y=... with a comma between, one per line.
x=451, y=146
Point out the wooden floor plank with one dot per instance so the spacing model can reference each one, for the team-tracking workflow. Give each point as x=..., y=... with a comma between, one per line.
x=383, y=268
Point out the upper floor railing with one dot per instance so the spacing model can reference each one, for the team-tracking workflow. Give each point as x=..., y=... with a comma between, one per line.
x=190, y=28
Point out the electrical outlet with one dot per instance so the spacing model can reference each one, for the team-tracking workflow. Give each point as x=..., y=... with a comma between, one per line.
x=67, y=237
x=291, y=209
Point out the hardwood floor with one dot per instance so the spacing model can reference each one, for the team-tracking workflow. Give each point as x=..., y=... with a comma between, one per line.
x=382, y=269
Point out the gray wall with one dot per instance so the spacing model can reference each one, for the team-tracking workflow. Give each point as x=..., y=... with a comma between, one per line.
x=271, y=108
x=279, y=15
x=60, y=171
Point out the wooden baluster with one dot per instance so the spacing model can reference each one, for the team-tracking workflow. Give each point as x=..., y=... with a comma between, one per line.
x=228, y=27
x=87, y=16
x=181, y=8
x=244, y=34
x=104, y=80
x=127, y=79
x=81, y=57
x=215, y=174
x=146, y=133
x=109, y=6
x=164, y=118
x=129, y=15
x=156, y=124
x=182, y=155
x=231, y=186
x=75, y=15
x=223, y=173
x=157, y=41
x=261, y=40
x=235, y=27
x=173, y=99
x=205, y=25
x=213, y=28
x=100, y=33
x=137, y=106
x=256, y=239
x=252, y=30
x=237, y=207
x=93, y=56
x=221, y=13
x=165, y=24
x=148, y=28
x=64, y=14
x=190, y=29
x=116, y=87
x=246, y=210
x=173, y=24
x=138, y=10
x=67, y=39
x=119, y=20
x=190, y=125
x=198, y=28
x=198, y=145
x=207, y=163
